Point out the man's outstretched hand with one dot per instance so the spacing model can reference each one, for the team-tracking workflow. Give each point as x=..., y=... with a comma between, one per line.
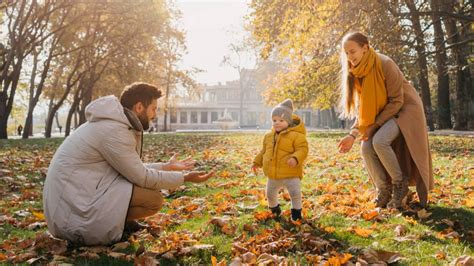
x=176, y=165
x=197, y=177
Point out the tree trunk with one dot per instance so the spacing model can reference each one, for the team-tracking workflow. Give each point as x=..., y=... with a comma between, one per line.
x=422, y=63
x=72, y=111
x=167, y=95
x=463, y=79
x=6, y=101
x=444, y=107
x=241, y=100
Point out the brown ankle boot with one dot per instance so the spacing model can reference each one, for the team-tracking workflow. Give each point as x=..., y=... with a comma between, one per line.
x=400, y=190
x=383, y=197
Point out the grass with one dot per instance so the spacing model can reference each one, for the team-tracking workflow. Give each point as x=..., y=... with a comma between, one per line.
x=336, y=191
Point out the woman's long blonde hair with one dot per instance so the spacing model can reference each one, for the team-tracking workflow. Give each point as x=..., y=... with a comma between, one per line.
x=348, y=99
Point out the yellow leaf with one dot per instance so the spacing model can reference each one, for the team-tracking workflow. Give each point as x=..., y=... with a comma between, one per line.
x=410, y=220
x=38, y=215
x=361, y=231
x=469, y=202
x=330, y=229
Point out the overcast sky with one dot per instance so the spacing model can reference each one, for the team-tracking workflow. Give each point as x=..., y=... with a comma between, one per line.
x=207, y=24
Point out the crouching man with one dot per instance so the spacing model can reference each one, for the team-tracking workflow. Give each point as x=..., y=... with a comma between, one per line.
x=97, y=182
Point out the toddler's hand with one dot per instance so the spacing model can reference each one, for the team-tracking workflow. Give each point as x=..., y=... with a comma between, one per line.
x=254, y=169
x=292, y=162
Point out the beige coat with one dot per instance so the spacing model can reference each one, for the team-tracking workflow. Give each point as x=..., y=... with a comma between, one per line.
x=412, y=147
x=89, y=183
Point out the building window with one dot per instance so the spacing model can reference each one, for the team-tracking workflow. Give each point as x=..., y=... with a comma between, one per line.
x=307, y=118
x=173, y=117
x=183, y=117
x=214, y=116
x=194, y=117
x=203, y=117
x=251, y=118
x=262, y=118
x=235, y=116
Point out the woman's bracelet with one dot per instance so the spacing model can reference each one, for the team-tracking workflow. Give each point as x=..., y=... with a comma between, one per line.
x=352, y=136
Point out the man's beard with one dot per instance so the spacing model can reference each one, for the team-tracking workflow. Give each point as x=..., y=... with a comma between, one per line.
x=144, y=120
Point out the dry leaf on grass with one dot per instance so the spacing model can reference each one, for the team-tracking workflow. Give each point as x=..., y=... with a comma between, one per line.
x=379, y=256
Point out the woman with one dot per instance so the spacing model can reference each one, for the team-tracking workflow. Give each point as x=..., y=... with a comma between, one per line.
x=390, y=120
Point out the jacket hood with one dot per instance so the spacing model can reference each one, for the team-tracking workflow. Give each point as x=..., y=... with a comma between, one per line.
x=297, y=125
x=106, y=108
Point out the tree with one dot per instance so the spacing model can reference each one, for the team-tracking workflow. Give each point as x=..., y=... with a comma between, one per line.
x=47, y=51
x=304, y=38
x=26, y=23
x=240, y=53
x=420, y=47
x=444, y=106
x=457, y=40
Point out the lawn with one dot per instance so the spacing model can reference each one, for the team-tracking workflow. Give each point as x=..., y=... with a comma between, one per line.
x=226, y=219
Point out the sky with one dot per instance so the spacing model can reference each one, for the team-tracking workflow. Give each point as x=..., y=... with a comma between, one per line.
x=210, y=27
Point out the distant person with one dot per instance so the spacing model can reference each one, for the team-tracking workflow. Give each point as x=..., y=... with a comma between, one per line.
x=19, y=129
x=97, y=182
x=282, y=157
x=390, y=119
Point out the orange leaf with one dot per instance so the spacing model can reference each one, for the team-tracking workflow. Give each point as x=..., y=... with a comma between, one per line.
x=440, y=255
x=214, y=261
x=345, y=258
x=370, y=215
x=330, y=229
x=191, y=207
x=469, y=202
x=262, y=216
x=224, y=174
x=338, y=259
x=361, y=231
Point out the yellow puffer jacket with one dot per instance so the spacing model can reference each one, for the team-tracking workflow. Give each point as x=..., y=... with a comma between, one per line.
x=278, y=148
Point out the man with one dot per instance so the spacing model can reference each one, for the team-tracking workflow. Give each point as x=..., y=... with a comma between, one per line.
x=96, y=180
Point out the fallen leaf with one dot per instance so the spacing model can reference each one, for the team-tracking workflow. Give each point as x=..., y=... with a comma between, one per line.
x=423, y=214
x=464, y=260
x=249, y=258
x=339, y=259
x=116, y=255
x=263, y=215
x=361, y=231
x=39, y=215
x=120, y=246
x=370, y=215
x=440, y=255
x=378, y=256
x=469, y=202
x=400, y=230
x=330, y=229
x=410, y=220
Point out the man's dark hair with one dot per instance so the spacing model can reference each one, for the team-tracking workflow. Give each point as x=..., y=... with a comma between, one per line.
x=139, y=92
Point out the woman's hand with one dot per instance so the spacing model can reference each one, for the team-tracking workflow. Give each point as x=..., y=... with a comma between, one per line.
x=176, y=165
x=345, y=145
x=369, y=132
